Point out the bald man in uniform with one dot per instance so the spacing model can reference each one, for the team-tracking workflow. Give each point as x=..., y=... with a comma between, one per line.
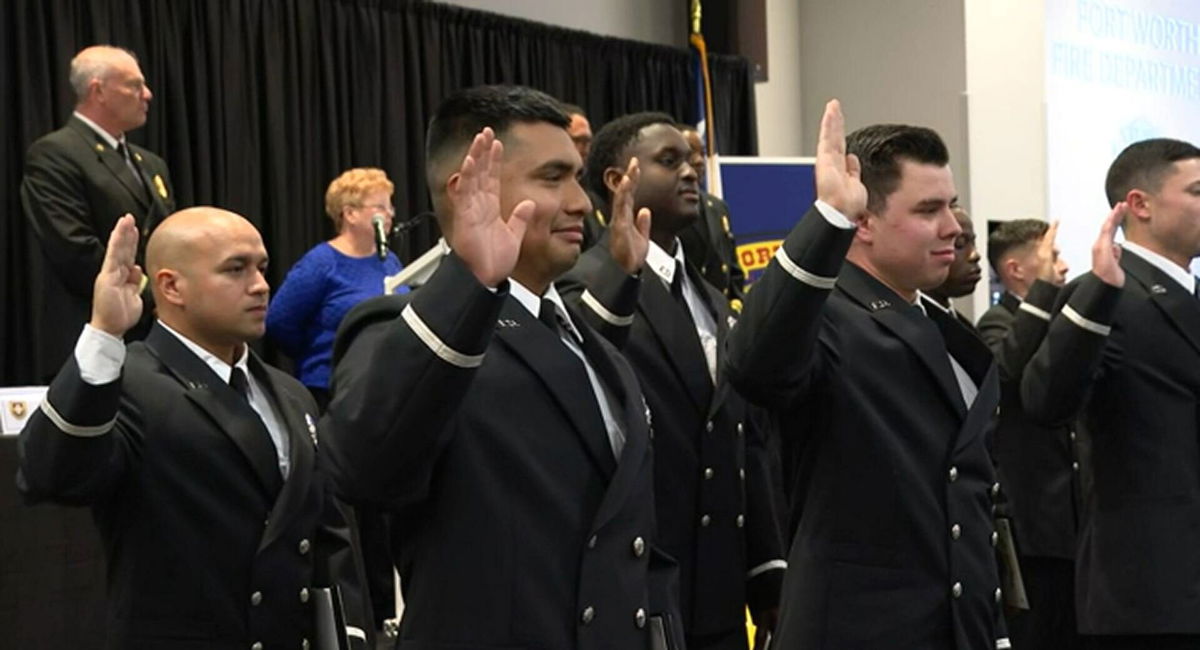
x=198, y=460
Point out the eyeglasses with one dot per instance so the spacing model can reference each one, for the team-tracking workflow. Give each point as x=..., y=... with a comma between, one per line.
x=381, y=207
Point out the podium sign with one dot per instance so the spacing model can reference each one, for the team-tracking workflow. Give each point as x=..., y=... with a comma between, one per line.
x=16, y=405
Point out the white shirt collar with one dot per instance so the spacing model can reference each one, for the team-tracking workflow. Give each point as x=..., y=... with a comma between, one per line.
x=533, y=303
x=223, y=370
x=923, y=298
x=1178, y=273
x=112, y=142
x=662, y=262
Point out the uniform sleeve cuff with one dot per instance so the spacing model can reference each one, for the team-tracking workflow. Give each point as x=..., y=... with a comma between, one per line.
x=833, y=216
x=763, y=589
x=99, y=355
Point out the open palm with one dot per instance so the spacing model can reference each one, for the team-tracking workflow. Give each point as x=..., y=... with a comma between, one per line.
x=629, y=234
x=487, y=244
x=838, y=173
x=117, y=292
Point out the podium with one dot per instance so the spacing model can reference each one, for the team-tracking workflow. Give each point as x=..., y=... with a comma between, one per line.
x=52, y=580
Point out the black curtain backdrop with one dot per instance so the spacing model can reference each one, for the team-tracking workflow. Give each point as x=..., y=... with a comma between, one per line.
x=258, y=104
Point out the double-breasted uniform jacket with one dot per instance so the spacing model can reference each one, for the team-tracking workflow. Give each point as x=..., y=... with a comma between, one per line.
x=1126, y=363
x=894, y=546
x=515, y=526
x=1038, y=466
x=709, y=242
x=207, y=544
x=716, y=508
x=74, y=189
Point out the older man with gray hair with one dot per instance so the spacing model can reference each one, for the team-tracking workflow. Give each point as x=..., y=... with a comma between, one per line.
x=78, y=181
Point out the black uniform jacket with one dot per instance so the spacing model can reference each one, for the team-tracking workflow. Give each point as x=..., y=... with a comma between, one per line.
x=1130, y=359
x=75, y=188
x=1037, y=465
x=894, y=547
x=208, y=546
x=716, y=509
x=473, y=423
x=710, y=245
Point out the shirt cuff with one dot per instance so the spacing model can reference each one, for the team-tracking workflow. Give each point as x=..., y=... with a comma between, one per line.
x=834, y=216
x=99, y=355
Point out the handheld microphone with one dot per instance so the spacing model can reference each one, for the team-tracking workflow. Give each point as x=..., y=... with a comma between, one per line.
x=381, y=242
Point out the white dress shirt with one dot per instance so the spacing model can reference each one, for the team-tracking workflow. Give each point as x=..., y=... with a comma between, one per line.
x=966, y=385
x=100, y=356
x=1181, y=275
x=664, y=266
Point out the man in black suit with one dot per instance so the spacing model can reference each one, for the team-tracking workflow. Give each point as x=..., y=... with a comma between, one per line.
x=891, y=398
x=1037, y=465
x=1122, y=355
x=198, y=460
x=509, y=440
x=716, y=512
x=709, y=239
x=78, y=181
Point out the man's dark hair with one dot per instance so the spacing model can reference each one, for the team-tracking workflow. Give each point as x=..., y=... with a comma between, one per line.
x=573, y=109
x=1143, y=166
x=611, y=141
x=1010, y=235
x=465, y=113
x=881, y=147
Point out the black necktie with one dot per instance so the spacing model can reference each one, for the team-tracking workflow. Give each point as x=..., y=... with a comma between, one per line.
x=677, y=289
x=548, y=314
x=239, y=383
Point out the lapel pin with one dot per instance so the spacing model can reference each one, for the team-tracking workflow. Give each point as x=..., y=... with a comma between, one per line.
x=507, y=322
x=1158, y=289
x=160, y=185
x=731, y=321
x=876, y=305
x=99, y=147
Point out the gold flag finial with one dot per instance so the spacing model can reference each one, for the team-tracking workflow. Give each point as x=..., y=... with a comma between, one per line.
x=696, y=11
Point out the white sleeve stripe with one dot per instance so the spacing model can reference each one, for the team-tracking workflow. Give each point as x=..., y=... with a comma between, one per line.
x=447, y=353
x=818, y=281
x=1003, y=644
x=1036, y=311
x=594, y=304
x=356, y=632
x=75, y=429
x=1089, y=325
x=766, y=566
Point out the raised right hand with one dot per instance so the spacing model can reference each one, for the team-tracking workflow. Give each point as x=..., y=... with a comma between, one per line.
x=1106, y=254
x=629, y=234
x=1047, y=256
x=489, y=245
x=116, y=294
x=838, y=173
